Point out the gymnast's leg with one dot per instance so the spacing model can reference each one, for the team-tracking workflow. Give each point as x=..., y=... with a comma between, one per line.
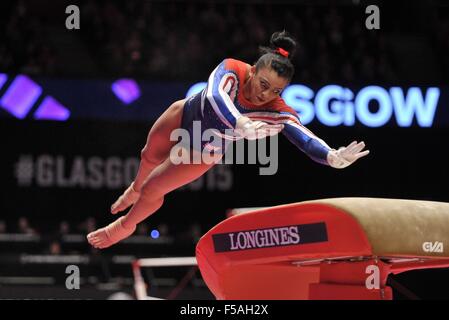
x=163, y=179
x=156, y=150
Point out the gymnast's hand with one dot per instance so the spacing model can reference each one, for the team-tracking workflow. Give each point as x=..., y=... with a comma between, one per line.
x=111, y=234
x=346, y=156
x=253, y=130
x=128, y=198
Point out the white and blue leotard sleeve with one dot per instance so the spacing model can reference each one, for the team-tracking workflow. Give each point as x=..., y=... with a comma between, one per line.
x=220, y=93
x=306, y=141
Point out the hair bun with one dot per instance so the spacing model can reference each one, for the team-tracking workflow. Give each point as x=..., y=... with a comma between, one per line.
x=283, y=40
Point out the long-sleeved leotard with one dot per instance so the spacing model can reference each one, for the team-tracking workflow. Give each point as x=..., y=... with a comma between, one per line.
x=222, y=102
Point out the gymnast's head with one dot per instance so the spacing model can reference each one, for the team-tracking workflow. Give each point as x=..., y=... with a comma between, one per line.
x=273, y=71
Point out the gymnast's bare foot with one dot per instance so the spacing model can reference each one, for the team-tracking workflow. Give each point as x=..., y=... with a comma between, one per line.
x=109, y=235
x=128, y=198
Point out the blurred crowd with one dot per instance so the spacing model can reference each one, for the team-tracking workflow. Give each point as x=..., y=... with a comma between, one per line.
x=23, y=44
x=52, y=235
x=185, y=40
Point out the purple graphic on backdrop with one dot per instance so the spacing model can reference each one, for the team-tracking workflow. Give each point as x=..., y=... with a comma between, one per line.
x=50, y=109
x=21, y=96
x=127, y=90
x=3, y=78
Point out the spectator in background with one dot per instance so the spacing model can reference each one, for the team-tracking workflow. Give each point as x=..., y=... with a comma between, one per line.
x=192, y=234
x=142, y=230
x=24, y=227
x=163, y=230
x=2, y=226
x=54, y=248
x=64, y=228
x=89, y=224
x=195, y=232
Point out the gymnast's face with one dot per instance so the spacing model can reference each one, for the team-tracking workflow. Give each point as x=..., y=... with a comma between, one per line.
x=264, y=85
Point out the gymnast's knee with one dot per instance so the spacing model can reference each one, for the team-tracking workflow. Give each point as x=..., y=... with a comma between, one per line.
x=147, y=158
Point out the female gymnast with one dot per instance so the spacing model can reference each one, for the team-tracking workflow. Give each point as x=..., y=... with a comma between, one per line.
x=238, y=97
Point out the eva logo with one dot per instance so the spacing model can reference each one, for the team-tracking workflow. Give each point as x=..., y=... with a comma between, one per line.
x=433, y=246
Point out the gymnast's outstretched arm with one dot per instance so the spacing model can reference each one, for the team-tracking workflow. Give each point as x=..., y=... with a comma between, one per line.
x=318, y=150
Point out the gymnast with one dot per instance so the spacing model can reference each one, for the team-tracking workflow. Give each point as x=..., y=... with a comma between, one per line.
x=241, y=98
